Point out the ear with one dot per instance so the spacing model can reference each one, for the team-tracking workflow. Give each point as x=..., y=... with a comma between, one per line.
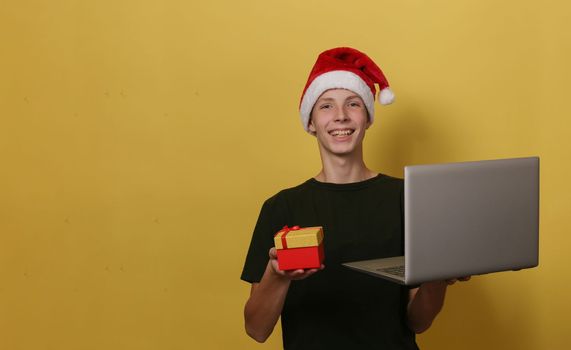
x=311, y=127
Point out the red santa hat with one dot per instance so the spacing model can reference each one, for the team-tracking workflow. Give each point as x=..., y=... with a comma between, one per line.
x=344, y=68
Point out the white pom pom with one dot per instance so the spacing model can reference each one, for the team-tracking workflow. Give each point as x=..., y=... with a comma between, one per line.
x=386, y=96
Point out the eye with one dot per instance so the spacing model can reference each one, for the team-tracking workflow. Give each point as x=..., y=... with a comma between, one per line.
x=325, y=106
x=354, y=104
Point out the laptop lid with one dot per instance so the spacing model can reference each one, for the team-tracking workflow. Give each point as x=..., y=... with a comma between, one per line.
x=471, y=218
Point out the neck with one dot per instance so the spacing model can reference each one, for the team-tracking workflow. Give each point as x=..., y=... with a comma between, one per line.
x=344, y=169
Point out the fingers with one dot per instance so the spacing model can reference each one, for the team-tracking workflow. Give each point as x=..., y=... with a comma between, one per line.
x=461, y=279
x=301, y=274
x=298, y=274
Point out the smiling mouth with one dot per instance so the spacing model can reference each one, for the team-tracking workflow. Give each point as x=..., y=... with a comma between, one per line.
x=341, y=132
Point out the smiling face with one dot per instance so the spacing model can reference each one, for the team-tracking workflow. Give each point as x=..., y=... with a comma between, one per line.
x=339, y=119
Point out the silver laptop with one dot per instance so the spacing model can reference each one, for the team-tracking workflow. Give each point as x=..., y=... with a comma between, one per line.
x=464, y=219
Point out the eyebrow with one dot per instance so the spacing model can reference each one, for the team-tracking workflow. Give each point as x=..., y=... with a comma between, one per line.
x=332, y=99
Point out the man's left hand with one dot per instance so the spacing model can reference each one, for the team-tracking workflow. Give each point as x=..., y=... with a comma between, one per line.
x=454, y=280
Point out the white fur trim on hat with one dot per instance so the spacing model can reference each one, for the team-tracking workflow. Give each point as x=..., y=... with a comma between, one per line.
x=337, y=79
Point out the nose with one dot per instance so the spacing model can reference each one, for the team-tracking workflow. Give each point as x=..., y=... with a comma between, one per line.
x=341, y=115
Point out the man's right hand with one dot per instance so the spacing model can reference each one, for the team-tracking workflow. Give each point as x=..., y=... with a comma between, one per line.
x=298, y=274
x=267, y=297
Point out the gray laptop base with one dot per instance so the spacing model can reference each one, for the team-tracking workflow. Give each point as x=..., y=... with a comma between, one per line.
x=379, y=267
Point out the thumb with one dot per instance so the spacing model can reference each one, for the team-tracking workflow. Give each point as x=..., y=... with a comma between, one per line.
x=273, y=253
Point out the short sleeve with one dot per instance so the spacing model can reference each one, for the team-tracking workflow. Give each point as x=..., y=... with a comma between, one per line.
x=270, y=221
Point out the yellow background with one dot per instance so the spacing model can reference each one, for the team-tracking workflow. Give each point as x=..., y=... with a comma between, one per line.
x=138, y=140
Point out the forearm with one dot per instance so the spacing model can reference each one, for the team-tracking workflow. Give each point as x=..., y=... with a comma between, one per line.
x=265, y=305
x=425, y=306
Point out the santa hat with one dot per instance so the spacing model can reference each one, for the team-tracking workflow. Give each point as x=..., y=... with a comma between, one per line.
x=344, y=68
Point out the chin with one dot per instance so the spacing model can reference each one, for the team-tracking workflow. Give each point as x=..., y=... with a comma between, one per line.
x=340, y=148
x=339, y=151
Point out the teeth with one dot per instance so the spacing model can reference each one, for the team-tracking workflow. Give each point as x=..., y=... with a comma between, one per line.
x=341, y=132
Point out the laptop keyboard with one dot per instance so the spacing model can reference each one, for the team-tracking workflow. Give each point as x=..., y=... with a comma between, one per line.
x=393, y=270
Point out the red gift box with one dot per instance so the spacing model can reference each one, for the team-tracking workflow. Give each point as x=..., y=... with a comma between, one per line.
x=299, y=248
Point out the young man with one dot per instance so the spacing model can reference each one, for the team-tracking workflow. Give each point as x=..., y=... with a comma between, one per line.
x=362, y=217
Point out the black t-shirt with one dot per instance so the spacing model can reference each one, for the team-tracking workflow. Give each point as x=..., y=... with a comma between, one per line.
x=338, y=308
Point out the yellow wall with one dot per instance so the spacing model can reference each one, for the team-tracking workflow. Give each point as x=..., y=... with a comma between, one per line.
x=138, y=140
